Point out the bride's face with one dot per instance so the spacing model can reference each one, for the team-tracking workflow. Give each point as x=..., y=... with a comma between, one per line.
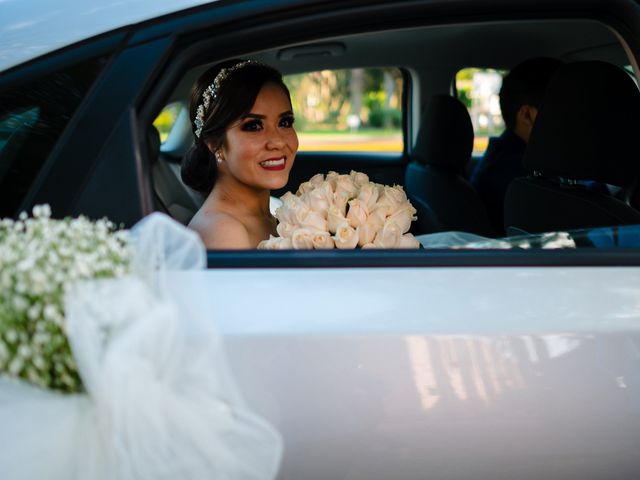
x=259, y=149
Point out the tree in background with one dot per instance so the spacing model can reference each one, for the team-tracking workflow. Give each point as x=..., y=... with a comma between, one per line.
x=330, y=100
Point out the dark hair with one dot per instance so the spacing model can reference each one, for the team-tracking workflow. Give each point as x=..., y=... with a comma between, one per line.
x=525, y=84
x=234, y=98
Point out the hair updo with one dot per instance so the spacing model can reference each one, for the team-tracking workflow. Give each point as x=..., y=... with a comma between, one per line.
x=236, y=94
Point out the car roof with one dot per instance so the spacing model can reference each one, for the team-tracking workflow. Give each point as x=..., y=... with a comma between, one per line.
x=32, y=28
x=27, y=35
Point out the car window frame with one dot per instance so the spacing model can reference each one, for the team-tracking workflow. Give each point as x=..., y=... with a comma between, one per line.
x=192, y=52
x=440, y=258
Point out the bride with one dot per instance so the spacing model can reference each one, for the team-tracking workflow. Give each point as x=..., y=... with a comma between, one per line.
x=245, y=146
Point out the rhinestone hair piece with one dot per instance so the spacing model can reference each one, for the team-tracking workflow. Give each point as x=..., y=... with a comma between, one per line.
x=211, y=93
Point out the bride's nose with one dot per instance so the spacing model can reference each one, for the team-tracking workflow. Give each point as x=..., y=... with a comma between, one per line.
x=275, y=139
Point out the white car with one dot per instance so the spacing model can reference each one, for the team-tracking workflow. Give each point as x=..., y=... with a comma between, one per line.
x=443, y=363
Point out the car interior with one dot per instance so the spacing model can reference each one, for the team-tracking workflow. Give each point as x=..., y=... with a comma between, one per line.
x=597, y=100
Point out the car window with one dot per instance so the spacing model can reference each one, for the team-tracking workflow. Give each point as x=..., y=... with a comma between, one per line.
x=358, y=110
x=166, y=119
x=32, y=118
x=342, y=110
x=478, y=89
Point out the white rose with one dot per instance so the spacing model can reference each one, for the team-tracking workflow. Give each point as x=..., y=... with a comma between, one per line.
x=285, y=213
x=392, y=196
x=332, y=179
x=357, y=213
x=368, y=195
x=322, y=240
x=286, y=196
x=359, y=178
x=406, y=205
x=403, y=216
x=317, y=180
x=275, y=243
x=379, y=215
x=314, y=220
x=398, y=192
x=340, y=200
x=345, y=237
x=408, y=241
x=334, y=219
x=367, y=233
x=305, y=187
x=285, y=229
x=302, y=239
x=283, y=243
x=295, y=210
x=388, y=236
x=320, y=198
x=345, y=184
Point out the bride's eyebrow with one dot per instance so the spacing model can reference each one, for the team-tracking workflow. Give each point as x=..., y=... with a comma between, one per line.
x=262, y=117
x=253, y=115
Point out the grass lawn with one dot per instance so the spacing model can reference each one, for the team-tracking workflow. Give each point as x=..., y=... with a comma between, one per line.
x=373, y=140
x=346, y=141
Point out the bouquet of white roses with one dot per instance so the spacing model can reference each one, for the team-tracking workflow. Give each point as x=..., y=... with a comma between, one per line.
x=40, y=258
x=343, y=211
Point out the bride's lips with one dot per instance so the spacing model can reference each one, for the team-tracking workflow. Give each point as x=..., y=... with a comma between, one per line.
x=277, y=163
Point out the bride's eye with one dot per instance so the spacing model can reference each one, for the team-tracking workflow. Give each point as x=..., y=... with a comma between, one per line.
x=287, y=121
x=252, y=126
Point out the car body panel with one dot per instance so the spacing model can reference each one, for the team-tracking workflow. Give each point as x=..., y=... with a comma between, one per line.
x=437, y=372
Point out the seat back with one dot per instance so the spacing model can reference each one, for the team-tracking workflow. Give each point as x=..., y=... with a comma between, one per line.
x=172, y=196
x=435, y=176
x=586, y=130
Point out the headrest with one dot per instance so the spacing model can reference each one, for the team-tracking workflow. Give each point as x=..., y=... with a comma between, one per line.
x=588, y=126
x=445, y=138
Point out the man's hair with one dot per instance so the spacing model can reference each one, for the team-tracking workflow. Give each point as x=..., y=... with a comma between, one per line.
x=525, y=84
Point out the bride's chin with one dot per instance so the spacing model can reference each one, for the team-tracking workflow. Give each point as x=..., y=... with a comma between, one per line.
x=276, y=184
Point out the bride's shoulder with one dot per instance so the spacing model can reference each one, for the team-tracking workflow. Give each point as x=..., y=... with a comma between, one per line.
x=219, y=230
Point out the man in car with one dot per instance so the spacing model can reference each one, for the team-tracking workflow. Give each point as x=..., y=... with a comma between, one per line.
x=520, y=98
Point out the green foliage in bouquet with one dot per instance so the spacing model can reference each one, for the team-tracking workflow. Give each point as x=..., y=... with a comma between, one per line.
x=40, y=259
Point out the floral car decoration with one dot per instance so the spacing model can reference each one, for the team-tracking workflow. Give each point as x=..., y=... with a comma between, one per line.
x=97, y=357
x=40, y=258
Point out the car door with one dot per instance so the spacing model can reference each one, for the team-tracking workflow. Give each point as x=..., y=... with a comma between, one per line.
x=463, y=372
x=435, y=363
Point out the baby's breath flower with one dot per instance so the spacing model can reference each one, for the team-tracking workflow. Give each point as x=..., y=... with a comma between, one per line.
x=15, y=366
x=50, y=312
x=40, y=258
x=24, y=351
x=39, y=362
x=41, y=338
x=11, y=335
x=33, y=312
